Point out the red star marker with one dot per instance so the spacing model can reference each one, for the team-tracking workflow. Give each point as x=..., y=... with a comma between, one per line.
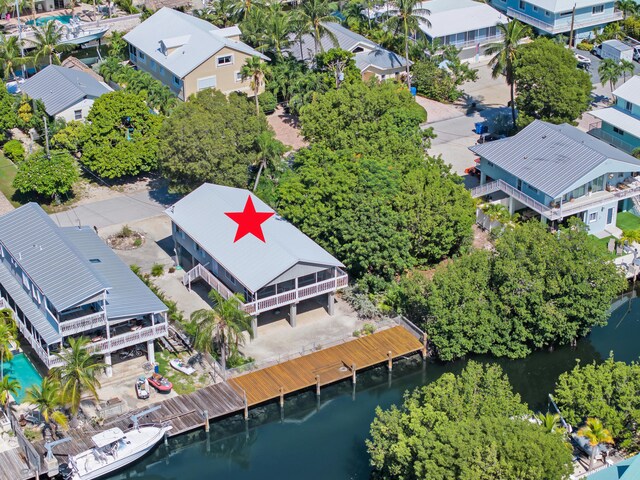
x=249, y=221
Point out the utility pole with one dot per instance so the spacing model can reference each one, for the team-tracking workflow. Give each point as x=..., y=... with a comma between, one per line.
x=573, y=18
x=46, y=136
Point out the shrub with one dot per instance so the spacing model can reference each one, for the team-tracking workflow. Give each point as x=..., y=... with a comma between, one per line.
x=125, y=232
x=268, y=102
x=636, y=153
x=585, y=46
x=14, y=150
x=368, y=329
x=47, y=176
x=157, y=269
x=137, y=242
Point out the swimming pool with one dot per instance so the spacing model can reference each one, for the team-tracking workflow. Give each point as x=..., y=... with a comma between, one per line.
x=42, y=20
x=22, y=370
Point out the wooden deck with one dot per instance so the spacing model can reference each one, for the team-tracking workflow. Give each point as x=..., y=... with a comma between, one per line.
x=326, y=366
x=13, y=465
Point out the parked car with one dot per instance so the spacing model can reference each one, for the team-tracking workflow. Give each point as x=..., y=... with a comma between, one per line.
x=636, y=53
x=489, y=137
x=583, y=62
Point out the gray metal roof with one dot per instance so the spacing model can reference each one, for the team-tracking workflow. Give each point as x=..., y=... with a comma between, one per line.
x=373, y=53
x=551, y=157
x=199, y=40
x=46, y=329
x=564, y=5
x=46, y=256
x=629, y=90
x=201, y=215
x=128, y=296
x=60, y=87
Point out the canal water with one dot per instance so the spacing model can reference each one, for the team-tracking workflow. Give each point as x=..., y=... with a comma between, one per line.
x=324, y=438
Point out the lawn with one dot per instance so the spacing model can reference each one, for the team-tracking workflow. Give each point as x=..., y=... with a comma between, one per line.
x=7, y=174
x=603, y=241
x=628, y=221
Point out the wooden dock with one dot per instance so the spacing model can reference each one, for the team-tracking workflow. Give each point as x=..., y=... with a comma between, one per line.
x=325, y=366
x=13, y=465
x=194, y=410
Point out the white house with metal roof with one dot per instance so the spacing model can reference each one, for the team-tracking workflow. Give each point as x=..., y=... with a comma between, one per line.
x=189, y=54
x=558, y=171
x=285, y=269
x=371, y=59
x=66, y=93
x=466, y=24
x=619, y=124
x=66, y=282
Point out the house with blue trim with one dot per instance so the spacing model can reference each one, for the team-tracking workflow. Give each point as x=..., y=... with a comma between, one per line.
x=628, y=469
x=559, y=171
x=619, y=124
x=553, y=17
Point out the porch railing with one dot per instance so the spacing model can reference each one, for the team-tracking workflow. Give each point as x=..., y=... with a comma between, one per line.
x=555, y=26
x=200, y=272
x=35, y=344
x=88, y=322
x=596, y=131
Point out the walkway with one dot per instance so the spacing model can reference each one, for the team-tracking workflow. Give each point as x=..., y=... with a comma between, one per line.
x=325, y=366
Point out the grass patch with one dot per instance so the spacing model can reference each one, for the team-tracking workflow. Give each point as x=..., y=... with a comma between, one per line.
x=604, y=242
x=182, y=384
x=7, y=173
x=627, y=221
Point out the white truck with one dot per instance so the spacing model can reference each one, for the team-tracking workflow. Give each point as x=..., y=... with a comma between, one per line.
x=614, y=49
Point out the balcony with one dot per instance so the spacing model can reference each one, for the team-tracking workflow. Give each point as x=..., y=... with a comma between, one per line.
x=617, y=142
x=256, y=307
x=81, y=324
x=563, y=25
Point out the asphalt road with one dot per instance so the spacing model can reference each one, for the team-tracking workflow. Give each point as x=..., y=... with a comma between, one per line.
x=593, y=70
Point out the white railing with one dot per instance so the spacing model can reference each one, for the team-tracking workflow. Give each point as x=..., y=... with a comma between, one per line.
x=128, y=339
x=200, y=272
x=610, y=139
x=476, y=41
x=564, y=24
x=35, y=345
x=88, y=322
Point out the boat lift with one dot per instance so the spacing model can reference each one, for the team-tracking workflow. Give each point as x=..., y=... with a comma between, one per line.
x=135, y=418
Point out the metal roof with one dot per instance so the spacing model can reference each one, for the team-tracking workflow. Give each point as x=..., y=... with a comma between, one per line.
x=619, y=118
x=48, y=258
x=204, y=40
x=373, y=53
x=629, y=90
x=254, y=263
x=564, y=5
x=60, y=88
x=449, y=17
x=128, y=295
x=551, y=157
x=46, y=329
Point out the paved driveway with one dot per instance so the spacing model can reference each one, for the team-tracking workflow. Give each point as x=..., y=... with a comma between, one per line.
x=599, y=90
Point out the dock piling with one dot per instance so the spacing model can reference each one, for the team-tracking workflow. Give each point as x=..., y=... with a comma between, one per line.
x=390, y=360
x=205, y=415
x=424, y=346
x=318, y=385
x=281, y=397
x=246, y=405
x=353, y=373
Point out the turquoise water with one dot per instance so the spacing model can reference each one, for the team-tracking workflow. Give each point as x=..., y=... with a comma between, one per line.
x=43, y=20
x=22, y=370
x=325, y=439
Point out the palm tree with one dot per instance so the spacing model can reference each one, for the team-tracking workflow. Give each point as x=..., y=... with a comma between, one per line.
x=549, y=421
x=278, y=27
x=626, y=68
x=628, y=7
x=630, y=236
x=48, y=42
x=255, y=69
x=8, y=386
x=47, y=398
x=609, y=71
x=10, y=56
x=496, y=212
x=407, y=15
x=269, y=151
x=78, y=374
x=504, y=55
x=8, y=332
x=595, y=432
x=354, y=17
x=312, y=14
x=223, y=325
x=221, y=13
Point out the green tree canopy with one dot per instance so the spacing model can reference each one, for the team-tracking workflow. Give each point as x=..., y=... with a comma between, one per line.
x=8, y=115
x=550, y=86
x=121, y=137
x=211, y=138
x=468, y=427
x=46, y=176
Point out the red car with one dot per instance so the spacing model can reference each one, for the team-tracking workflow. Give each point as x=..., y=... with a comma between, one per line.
x=160, y=383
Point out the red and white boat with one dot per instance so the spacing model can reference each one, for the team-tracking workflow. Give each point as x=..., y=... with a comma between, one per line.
x=160, y=383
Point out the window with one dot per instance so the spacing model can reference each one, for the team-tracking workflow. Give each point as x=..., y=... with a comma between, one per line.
x=77, y=114
x=197, y=247
x=535, y=190
x=161, y=70
x=238, y=77
x=176, y=81
x=566, y=14
x=141, y=55
x=620, y=175
x=546, y=13
x=25, y=280
x=628, y=105
x=490, y=164
x=207, y=82
x=133, y=50
x=618, y=131
x=229, y=277
x=535, y=8
x=521, y=5
x=225, y=60
x=597, y=9
x=593, y=217
x=152, y=64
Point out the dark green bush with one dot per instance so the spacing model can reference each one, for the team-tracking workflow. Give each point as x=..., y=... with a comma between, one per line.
x=14, y=151
x=268, y=102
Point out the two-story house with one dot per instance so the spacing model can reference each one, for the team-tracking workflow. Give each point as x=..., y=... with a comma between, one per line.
x=619, y=125
x=188, y=54
x=282, y=269
x=554, y=17
x=558, y=171
x=372, y=60
x=66, y=282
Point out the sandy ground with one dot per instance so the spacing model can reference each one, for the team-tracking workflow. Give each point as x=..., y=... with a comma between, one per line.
x=436, y=111
x=286, y=129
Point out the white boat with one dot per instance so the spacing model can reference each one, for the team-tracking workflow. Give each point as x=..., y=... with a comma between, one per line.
x=113, y=450
x=181, y=366
x=73, y=33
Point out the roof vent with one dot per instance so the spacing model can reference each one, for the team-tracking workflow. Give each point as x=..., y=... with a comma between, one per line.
x=544, y=136
x=94, y=260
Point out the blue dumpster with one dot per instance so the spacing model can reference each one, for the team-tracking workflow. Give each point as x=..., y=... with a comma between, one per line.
x=414, y=91
x=156, y=369
x=481, y=128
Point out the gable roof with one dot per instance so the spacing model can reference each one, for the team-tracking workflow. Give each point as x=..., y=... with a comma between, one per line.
x=59, y=87
x=254, y=263
x=448, y=17
x=201, y=40
x=128, y=295
x=629, y=90
x=373, y=54
x=565, y=5
x=550, y=157
x=48, y=258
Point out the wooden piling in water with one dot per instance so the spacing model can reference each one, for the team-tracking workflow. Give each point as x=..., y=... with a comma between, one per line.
x=318, y=385
x=424, y=346
x=281, y=397
x=246, y=405
x=390, y=360
x=205, y=414
x=353, y=373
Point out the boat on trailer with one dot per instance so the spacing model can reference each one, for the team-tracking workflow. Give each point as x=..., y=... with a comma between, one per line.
x=73, y=33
